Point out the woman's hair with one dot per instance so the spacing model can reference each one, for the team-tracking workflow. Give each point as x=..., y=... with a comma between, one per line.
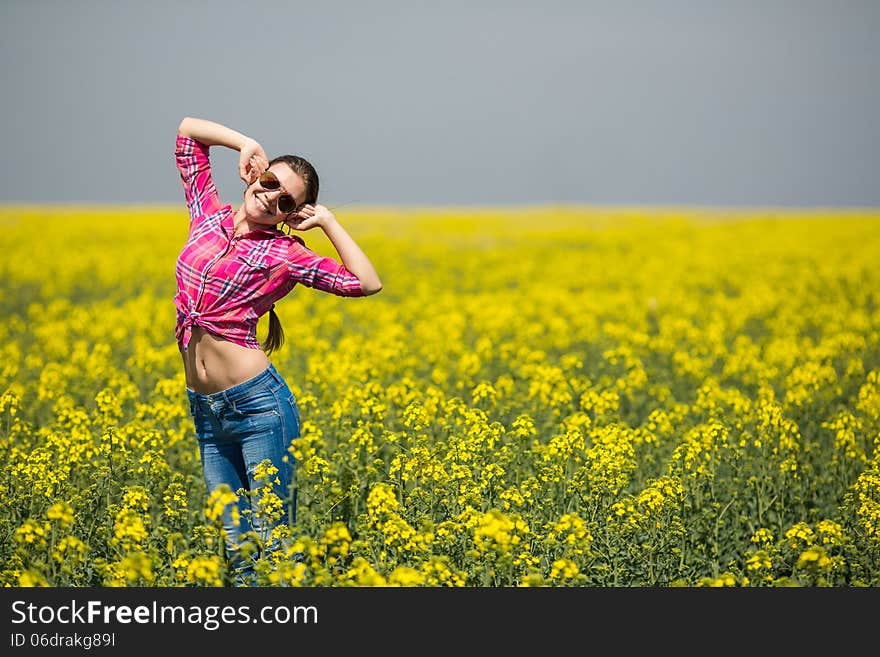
x=276, y=334
x=306, y=171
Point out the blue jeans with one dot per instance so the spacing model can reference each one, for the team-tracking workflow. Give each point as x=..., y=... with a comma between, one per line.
x=237, y=429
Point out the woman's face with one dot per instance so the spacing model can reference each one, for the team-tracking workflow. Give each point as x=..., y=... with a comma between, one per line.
x=261, y=205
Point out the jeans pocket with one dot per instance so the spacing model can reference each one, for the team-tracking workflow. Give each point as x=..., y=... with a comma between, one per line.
x=259, y=402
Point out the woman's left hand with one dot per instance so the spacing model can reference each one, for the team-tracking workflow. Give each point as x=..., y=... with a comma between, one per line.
x=310, y=216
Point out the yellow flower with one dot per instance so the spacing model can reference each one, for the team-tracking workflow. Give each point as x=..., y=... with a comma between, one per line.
x=498, y=533
x=723, y=580
x=382, y=500
x=524, y=426
x=336, y=540
x=218, y=501
x=760, y=560
x=406, y=576
x=762, y=536
x=485, y=393
x=136, y=498
x=288, y=573
x=800, y=533
x=265, y=472
x=205, y=571
x=32, y=578
x=563, y=570
x=69, y=549
x=132, y=569
x=61, y=512
x=362, y=573
x=175, y=501
x=830, y=532
x=32, y=533
x=415, y=417
x=129, y=530
x=438, y=573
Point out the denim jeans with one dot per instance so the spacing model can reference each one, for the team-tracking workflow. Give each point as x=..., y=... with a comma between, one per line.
x=237, y=429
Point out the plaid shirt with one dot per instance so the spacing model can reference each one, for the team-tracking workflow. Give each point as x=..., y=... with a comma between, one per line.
x=226, y=282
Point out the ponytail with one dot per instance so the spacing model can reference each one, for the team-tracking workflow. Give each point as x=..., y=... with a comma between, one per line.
x=276, y=334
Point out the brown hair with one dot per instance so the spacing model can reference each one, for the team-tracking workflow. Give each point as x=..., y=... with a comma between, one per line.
x=276, y=334
x=306, y=171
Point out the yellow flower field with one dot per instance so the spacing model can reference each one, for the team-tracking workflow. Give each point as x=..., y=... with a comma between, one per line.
x=538, y=397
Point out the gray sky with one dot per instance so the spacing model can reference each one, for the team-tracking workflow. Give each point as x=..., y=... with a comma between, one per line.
x=452, y=102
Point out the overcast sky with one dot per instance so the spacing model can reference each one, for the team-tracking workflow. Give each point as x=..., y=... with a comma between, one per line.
x=451, y=102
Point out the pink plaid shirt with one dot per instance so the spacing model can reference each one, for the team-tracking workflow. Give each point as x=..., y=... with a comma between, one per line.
x=225, y=283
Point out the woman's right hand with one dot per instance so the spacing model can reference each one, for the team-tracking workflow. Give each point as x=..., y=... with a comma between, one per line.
x=252, y=161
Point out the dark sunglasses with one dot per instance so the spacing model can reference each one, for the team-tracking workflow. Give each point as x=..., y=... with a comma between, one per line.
x=269, y=181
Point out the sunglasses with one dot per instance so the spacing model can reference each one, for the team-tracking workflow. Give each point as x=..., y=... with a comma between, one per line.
x=269, y=181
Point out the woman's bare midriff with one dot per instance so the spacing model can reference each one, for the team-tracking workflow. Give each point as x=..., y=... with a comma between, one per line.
x=213, y=364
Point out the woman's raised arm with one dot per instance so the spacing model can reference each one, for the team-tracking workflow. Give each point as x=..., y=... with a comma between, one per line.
x=252, y=160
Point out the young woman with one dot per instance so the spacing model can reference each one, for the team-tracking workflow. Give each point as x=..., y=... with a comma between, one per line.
x=233, y=268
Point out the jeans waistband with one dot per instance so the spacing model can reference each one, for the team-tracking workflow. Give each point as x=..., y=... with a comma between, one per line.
x=239, y=390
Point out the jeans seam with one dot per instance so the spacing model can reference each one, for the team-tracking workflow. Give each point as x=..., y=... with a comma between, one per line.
x=272, y=410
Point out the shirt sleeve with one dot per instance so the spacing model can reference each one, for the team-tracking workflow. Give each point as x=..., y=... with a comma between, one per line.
x=321, y=273
x=195, y=175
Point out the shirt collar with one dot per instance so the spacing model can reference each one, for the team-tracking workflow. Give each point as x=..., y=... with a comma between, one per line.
x=228, y=225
